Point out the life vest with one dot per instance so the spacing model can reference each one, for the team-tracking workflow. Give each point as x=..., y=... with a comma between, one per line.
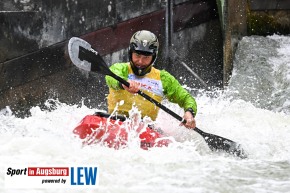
x=150, y=84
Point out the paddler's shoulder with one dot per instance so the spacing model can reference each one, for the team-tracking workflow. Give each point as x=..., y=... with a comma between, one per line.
x=165, y=75
x=120, y=65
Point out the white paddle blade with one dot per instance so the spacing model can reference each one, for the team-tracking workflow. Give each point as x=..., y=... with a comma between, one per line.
x=73, y=50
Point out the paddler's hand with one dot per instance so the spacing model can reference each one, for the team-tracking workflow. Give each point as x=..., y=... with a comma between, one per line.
x=190, y=121
x=134, y=87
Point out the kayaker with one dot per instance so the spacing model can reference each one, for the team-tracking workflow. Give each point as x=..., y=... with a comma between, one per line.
x=141, y=74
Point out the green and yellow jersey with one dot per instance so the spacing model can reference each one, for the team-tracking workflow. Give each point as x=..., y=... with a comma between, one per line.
x=158, y=84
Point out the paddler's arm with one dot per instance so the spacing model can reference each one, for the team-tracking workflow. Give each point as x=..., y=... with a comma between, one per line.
x=120, y=69
x=177, y=94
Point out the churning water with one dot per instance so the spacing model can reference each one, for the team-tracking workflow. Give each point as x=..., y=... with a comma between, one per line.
x=254, y=111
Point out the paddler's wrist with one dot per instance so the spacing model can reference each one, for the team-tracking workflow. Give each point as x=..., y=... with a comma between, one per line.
x=191, y=111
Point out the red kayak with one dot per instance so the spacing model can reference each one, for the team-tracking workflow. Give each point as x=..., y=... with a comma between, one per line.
x=113, y=132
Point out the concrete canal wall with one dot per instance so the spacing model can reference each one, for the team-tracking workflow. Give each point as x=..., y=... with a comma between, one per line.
x=34, y=65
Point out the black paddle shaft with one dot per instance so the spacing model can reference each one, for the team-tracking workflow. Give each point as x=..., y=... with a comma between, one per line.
x=215, y=143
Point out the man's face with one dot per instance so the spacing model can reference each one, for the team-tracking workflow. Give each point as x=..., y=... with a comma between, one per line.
x=141, y=61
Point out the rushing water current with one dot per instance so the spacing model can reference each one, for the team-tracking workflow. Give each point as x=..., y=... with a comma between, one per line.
x=254, y=111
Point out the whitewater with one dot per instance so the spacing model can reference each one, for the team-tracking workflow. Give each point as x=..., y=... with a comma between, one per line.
x=254, y=110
